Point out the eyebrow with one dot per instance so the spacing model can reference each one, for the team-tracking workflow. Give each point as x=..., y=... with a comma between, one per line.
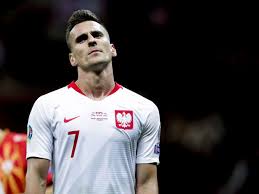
x=85, y=36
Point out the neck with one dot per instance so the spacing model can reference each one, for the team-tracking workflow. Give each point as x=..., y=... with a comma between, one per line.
x=96, y=85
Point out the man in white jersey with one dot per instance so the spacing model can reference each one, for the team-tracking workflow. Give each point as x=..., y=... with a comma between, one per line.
x=100, y=137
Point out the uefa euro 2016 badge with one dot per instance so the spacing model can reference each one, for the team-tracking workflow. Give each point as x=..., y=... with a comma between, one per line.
x=157, y=148
x=29, y=131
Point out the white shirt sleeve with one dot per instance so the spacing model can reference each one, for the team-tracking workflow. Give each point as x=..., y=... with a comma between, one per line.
x=149, y=143
x=39, y=133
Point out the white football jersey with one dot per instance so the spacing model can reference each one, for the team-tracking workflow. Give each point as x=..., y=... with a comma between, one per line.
x=94, y=146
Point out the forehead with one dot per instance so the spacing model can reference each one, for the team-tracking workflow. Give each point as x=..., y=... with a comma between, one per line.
x=87, y=27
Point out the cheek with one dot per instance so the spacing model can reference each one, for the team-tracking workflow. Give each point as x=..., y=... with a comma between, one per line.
x=81, y=55
x=81, y=52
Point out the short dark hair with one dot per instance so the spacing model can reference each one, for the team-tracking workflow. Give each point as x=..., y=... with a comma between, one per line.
x=77, y=17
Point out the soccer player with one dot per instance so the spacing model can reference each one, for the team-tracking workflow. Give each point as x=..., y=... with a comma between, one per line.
x=100, y=137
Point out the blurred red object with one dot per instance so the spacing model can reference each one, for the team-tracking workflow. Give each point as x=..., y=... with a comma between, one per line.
x=13, y=163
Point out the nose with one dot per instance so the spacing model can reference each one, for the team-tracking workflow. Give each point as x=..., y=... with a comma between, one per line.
x=91, y=40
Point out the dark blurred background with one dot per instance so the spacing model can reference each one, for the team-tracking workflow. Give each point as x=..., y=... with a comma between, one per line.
x=198, y=61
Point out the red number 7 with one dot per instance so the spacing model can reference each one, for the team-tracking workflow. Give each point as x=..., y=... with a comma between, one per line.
x=76, y=133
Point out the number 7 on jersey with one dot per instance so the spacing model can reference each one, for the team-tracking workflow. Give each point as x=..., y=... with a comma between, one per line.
x=76, y=133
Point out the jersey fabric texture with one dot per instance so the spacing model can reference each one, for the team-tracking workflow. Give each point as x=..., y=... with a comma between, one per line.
x=94, y=146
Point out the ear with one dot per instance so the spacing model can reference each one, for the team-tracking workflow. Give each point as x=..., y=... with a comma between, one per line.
x=72, y=60
x=113, y=50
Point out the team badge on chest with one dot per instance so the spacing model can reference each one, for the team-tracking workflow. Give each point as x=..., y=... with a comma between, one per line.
x=124, y=119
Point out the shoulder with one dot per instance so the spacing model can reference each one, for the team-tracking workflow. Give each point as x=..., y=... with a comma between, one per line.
x=138, y=99
x=51, y=98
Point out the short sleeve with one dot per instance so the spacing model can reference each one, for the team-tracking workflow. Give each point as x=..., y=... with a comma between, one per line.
x=39, y=134
x=149, y=143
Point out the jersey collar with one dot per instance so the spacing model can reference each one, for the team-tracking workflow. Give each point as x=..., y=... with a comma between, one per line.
x=76, y=88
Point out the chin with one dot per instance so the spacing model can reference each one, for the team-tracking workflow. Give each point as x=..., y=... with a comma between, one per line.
x=98, y=66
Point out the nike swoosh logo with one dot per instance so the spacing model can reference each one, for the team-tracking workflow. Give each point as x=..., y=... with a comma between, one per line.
x=68, y=120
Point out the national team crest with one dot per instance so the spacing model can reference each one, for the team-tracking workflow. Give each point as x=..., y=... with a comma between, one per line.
x=124, y=119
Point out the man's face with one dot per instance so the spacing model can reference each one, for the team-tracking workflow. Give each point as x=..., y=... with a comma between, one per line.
x=90, y=46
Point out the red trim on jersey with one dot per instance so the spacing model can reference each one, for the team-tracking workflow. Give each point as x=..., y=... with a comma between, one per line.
x=116, y=87
x=76, y=88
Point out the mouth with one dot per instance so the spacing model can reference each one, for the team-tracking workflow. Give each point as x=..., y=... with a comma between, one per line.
x=93, y=51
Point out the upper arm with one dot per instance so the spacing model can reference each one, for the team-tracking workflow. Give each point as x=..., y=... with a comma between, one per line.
x=148, y=150
x=146, y=177
x=36, y=176
x=38, y=167
x=39, y=147
x=39, y=130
